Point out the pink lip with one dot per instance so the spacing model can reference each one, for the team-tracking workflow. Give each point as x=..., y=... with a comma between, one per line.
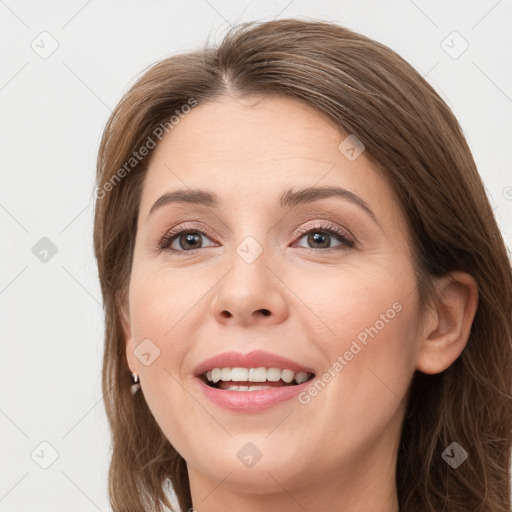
x=250, y=401
x=254, y=359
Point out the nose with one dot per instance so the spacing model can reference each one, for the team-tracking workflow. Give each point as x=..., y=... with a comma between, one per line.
x=250, y=294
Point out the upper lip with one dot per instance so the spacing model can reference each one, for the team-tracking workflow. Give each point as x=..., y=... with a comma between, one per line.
x=254, y=359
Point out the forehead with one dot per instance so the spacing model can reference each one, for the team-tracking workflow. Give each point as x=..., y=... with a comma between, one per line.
x=252, y=149
x=252, y=129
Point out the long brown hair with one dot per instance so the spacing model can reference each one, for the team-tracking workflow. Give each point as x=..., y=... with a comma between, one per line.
x=413, y=138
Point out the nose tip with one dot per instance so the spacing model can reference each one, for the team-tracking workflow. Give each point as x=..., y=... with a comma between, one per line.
x=249, y=299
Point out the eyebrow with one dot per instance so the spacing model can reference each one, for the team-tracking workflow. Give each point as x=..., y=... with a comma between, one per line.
x=289, y=198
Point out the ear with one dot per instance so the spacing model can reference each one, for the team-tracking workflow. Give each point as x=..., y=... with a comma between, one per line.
x=448, y=323
x=124, y=313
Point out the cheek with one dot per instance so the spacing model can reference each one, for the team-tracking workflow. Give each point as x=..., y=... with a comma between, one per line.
x=375, y=369
x=367, y=334
x=163, y=309
x=342, y=301
x=160, y=301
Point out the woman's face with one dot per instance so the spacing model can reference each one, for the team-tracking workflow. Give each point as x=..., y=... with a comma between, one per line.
x=323, y=280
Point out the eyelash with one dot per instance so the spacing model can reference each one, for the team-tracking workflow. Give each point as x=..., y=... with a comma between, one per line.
x=346, y=241
x=331, y=230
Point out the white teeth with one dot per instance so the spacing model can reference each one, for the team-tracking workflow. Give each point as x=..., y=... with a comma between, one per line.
x=216, y=373
x=273, y=374
x=257, y=374
x=301, y=377
x=287, y=376
x=260, y=374
x=244, y=388
x=240, y=374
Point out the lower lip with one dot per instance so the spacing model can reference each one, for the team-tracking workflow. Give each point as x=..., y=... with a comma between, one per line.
x=251, y=401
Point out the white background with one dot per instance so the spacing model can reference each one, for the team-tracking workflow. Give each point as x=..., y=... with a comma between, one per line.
x=53, y=111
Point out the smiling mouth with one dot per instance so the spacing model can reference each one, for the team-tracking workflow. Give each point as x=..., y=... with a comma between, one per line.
x=253, y=379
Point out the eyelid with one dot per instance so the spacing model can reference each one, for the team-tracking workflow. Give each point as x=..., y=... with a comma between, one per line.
x=176, y=230
x=327, y=226
x=324, y=216
x=345, y=236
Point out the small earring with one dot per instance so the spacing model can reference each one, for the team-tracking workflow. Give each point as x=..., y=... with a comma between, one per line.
x=135, y=386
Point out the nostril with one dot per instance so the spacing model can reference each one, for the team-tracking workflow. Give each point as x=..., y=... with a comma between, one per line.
x=226, y=314
x=265, y=312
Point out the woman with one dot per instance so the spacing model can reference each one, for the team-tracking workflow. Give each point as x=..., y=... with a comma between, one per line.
x=307, y=297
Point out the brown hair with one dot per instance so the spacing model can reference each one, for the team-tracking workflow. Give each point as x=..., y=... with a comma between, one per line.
x=413, y=138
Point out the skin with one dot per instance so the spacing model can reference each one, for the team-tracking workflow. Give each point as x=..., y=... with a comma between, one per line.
x=338, y=451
